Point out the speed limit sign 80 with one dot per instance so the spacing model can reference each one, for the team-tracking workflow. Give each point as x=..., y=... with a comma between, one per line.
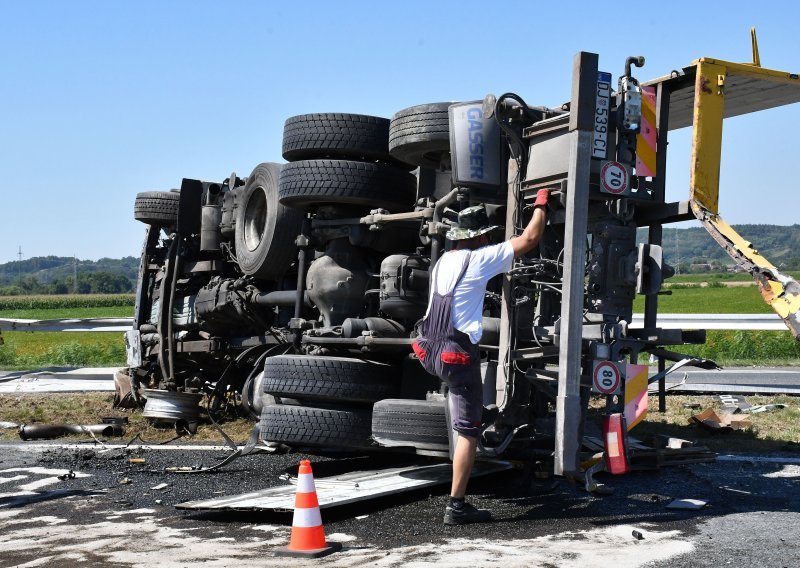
x=606, y=377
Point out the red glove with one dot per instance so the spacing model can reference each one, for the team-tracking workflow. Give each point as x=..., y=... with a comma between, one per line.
x=541, y=198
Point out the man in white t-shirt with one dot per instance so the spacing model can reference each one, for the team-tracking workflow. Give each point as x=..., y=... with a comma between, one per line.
x=451, y=330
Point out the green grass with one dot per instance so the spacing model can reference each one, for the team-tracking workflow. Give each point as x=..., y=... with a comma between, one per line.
x=720, y=276
x=739, y=300
x=30, y=350
x=90, y=408
x=774, y=431
x=728, y=347
x=70, y=313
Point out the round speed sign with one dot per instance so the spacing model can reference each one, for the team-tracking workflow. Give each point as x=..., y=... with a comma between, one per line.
x=606, y=377
x=614, y=178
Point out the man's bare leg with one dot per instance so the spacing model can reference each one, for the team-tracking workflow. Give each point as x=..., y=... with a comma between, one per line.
x=463, y=459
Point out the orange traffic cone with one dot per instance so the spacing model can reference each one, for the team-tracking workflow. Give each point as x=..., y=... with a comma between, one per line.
x=308, y=536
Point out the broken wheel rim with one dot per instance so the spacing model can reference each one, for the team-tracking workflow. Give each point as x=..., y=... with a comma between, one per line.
x=172, y=406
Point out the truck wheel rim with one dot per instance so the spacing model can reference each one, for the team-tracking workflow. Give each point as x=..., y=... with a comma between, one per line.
x=255, y=218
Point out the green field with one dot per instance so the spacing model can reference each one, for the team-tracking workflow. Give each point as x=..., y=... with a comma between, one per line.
x=69, y=313
x=713, y=300
x=719, y=277
x=67, y=307
x=30, y=349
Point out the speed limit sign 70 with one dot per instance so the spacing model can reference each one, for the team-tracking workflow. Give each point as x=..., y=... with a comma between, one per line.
x=613, y=178
x=606, y=377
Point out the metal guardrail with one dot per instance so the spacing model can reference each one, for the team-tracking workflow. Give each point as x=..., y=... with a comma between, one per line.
x=765, y=322
x=91, y=324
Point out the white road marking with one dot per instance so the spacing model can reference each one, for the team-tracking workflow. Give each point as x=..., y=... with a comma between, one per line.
x=14, y=478
x=787, y=471
x=51, y=478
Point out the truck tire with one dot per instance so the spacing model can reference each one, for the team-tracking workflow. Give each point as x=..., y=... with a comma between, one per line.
x=412, y=423
x=420, y=135
x=265, y=229
x=158, y=208
x=306, y=426
x=330, y=379
x=344, y=182
x=336, y=135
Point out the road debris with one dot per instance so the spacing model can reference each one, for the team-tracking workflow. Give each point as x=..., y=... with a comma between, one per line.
x=691, y=504
x=764, y=408
x=347, y=488
x=183, y=469
x=50, y=431
x=659, y=442
x=160, y=486
x=637, y=535
x=8, y=425
x=714, y=421
x=733, y=403
x=736, y=404
x=125, y=481
x=69, y=475
x=136, y=460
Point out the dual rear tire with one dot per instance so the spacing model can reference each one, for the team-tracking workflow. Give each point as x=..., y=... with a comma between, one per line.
x=335, y=396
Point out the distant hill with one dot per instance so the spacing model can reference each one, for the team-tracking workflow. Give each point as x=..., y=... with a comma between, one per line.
x=779, y=244
x=54, y=274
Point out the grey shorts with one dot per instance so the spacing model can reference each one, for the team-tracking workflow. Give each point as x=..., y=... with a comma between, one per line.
x=465, y=399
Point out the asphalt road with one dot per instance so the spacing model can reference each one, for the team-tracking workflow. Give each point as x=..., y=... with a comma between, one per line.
x=752, y=516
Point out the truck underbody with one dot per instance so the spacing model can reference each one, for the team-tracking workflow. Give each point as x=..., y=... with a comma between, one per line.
x=292, y=295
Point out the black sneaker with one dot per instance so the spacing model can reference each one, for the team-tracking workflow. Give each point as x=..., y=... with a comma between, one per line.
x=465, y=514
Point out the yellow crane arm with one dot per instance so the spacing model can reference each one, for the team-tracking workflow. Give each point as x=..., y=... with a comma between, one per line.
x=723, y=89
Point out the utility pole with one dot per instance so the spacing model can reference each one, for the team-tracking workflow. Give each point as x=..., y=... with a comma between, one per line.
x=74, y=274
x=19, y=263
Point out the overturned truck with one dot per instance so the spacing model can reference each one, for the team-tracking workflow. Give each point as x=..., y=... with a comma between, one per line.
x=292, y=294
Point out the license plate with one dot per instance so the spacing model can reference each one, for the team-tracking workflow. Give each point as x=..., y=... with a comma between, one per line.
x=601, y=116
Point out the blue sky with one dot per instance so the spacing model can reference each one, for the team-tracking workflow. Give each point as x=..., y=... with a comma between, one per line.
x=102, y=100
